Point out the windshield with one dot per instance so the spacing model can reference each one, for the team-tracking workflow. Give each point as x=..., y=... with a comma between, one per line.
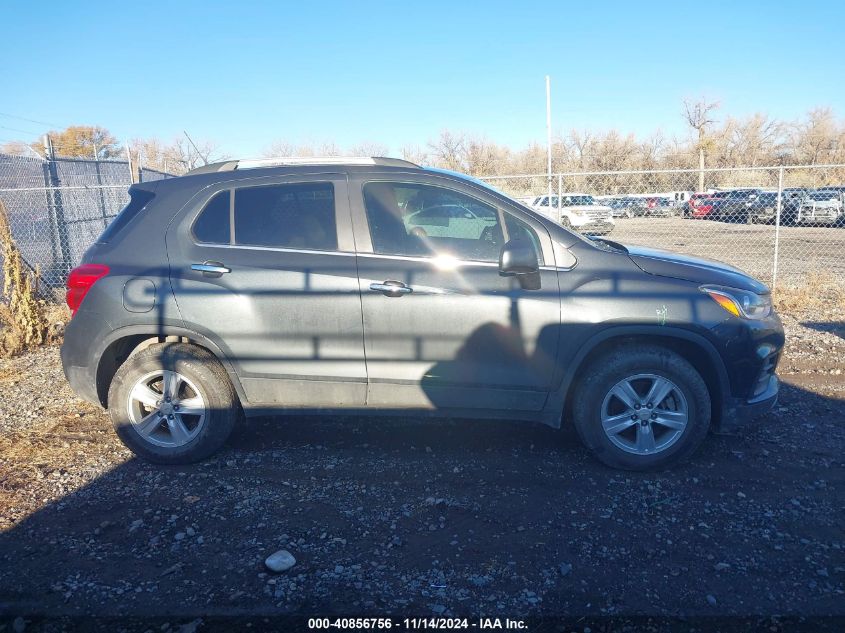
x=577, y=201
x=823, y=195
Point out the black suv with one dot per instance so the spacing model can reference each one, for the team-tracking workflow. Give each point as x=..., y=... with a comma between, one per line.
x=286, y=287
x=732, y=205
x=764, y=208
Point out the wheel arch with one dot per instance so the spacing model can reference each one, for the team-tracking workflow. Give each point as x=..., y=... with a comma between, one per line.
x=693, y=347
x=127, y=341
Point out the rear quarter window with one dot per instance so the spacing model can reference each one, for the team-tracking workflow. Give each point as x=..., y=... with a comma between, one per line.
x=212, y=226
x=138, y=201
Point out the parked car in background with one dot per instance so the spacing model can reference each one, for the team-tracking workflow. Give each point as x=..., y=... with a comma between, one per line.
x=276, y=287
x=832, y=188
x=823, y=206
x=658, y=206
x=732, y=205
x=578, y=211
x=622, y=206
x=763, y=210
x=681, y=198
x=450, y=219
x=699, y=205
x=795, y=192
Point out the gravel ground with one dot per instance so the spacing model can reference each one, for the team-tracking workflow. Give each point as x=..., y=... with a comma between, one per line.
x=388, y=516
x=751, y=247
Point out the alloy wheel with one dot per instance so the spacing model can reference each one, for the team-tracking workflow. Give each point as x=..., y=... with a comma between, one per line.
x=644, y=414
x=166, y=409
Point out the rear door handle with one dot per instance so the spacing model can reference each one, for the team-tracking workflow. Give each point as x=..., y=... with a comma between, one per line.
x=391, y=288
x=211, y=269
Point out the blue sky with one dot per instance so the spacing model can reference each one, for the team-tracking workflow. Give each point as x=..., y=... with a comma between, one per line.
x=247, y=73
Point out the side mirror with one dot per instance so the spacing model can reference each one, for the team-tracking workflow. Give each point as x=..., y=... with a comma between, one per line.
x=519, y=259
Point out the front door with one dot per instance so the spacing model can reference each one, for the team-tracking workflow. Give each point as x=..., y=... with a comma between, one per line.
x=267, y=272
x=442, y=328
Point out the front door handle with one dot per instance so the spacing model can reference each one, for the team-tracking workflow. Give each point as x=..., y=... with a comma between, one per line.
x=391, y=288
x=211, y=269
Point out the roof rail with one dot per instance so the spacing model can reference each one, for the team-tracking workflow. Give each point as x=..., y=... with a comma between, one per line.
x=255, y=163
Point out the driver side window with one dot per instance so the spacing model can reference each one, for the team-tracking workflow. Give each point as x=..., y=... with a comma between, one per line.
x=420, y=220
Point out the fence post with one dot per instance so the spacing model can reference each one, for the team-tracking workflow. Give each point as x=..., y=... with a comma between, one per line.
x=100, y=190
x=559, y=195
x=129, y=161
x=54, y=199
x=777, y=228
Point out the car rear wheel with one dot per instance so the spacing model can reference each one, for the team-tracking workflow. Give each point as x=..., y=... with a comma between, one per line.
x=173, y=403
x=641, y=408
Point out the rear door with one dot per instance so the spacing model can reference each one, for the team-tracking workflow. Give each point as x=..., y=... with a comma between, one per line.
x=265, y=268
x=442, y=328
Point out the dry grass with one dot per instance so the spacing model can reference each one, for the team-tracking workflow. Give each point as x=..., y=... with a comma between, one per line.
x=22, y=314
x=56, y=445
x=820, y=298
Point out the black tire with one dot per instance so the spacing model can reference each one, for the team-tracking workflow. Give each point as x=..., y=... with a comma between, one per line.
x=629, y=360
x=212, y=383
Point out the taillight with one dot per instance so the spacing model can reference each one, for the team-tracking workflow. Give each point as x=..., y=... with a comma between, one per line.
x=80, y=281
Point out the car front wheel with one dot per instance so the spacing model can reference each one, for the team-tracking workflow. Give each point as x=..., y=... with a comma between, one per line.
x=641, y=408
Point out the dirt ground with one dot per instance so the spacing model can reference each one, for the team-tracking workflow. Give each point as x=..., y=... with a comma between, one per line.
x=398, y=517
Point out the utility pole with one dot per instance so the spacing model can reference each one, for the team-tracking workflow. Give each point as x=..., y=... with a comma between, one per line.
x=549, y=135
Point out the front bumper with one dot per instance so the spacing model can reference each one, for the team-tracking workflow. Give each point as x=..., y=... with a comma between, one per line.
x=739, y=414
x=819, y=216
x=750, y=351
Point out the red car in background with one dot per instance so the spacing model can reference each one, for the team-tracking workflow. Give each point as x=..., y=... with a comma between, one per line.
x=700, y=205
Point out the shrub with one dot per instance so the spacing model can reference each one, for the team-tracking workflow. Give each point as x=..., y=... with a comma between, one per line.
x=23, y=316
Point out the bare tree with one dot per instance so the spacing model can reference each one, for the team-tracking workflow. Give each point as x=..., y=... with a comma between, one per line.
x=449, y=150
x=369, y=148
x=415, y=154
x=698, y=117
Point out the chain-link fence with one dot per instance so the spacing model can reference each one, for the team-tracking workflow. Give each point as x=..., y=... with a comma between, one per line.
x=58, y=207
x=779, y=224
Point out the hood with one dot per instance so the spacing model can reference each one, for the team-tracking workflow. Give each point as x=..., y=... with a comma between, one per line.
x=695, y=269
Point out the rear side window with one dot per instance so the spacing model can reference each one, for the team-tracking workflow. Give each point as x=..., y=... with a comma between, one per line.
x=138, y=199
x=212, y=225
x=287, y=216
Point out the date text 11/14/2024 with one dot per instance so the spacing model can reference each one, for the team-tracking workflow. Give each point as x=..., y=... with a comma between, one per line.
x=416, y=624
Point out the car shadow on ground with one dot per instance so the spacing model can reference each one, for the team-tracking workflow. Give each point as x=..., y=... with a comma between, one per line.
x=834, y=327
x=446, y=517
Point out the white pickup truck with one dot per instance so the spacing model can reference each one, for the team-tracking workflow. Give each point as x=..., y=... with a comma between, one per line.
x=577, y=211
x=823, y=206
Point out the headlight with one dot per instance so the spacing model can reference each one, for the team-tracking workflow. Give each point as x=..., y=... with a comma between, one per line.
x=740, y=303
